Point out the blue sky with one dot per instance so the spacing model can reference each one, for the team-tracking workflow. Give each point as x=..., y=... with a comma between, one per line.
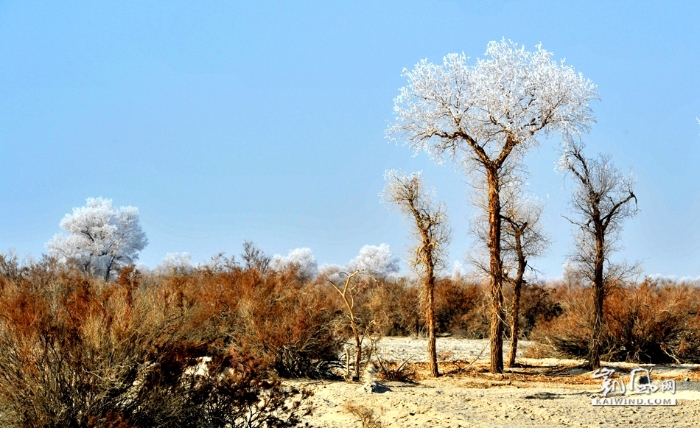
x=227, y=121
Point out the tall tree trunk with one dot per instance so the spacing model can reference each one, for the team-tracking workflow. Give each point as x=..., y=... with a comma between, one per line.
x=598, y=297
x=497, y=314
x=430, y=319
x=517, y=288
x=514, y=324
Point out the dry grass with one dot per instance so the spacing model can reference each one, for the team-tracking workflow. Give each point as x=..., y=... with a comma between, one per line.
x=365, y=415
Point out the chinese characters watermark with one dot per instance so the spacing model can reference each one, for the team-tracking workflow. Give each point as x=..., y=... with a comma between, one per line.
x=639, y=383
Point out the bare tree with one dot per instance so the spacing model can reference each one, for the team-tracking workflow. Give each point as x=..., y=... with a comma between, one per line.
x=349, y=293
x=484, y=115
x=255, y=258
x=522, y=239
x=432, y=233
x=602, y=199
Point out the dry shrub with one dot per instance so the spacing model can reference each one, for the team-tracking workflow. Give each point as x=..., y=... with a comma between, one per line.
x=395, y=371
x=644, y=323
x=461, y=308
x=292, y=324
x=395, y=304
x=275, y=316
x=537, y=304
x=366, y=416
x=84, y=353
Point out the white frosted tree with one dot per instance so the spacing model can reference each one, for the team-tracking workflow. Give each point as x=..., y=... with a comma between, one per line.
x=176, y=263
x=484, y=115
x=100, y=238
x=375, y=260
x=302, y=259
x=457, y=271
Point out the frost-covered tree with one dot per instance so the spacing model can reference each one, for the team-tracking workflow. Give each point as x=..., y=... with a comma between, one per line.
x=100, y=238
x=375, y=260
x=601, y=200
x=457, y=271
x=176, y=263
x=432, y=235
x=332, y=271
x=302, y=259
x=484, y=115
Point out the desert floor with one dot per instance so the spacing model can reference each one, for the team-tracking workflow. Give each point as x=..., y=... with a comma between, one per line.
x=538, y=393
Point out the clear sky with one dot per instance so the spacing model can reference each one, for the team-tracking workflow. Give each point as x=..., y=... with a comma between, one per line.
x=264, y=121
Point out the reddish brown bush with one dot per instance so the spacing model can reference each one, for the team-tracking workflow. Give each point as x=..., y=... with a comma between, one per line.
x=81, y=352
x=646, y=323
x=462, y=309
x=395, y=304
x=273, y=315
x=537, y=304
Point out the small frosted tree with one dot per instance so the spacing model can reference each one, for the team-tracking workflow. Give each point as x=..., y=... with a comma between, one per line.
x=354, y=283
x=301, y=259
x=431, y=232
x=375, y=260
x=100, y=238
x=601, y=200
x=175, y=263
x=486, y=115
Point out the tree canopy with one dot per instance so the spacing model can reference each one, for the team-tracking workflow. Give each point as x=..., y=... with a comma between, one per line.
x=100, y=237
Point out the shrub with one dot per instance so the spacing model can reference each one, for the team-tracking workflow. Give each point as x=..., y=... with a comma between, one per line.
x=394, y=371
x=271, y=314
x=462, y=308
x=537, y=304
x=365, y=415
x=644, y=323
x=81, y=352
x=395, y=305
x=292, y=325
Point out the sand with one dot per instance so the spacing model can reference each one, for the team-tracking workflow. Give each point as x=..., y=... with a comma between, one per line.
x=541, y=393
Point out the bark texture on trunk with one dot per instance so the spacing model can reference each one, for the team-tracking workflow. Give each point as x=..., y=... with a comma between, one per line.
x=517, y=289
x=497, y=315
x=598, y=298
x=430, y=318
x=514, y=327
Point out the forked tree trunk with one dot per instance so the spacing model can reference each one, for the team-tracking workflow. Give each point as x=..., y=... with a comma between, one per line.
x=358, y=345
x=497, y=315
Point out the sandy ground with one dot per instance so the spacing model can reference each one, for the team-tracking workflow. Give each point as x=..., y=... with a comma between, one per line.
x=540, y=393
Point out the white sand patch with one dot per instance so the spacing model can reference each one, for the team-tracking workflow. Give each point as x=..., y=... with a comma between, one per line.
x=474, y=401
x=448, y=349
